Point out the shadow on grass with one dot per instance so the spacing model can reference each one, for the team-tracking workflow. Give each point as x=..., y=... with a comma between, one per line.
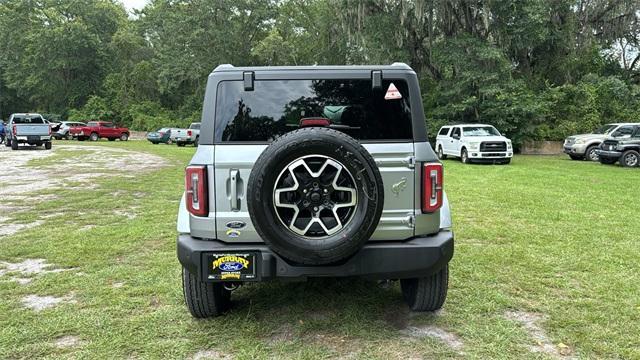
x=345, y=305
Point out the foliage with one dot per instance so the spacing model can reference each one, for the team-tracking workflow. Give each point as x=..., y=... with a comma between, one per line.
x=537, y=69
x=96, y=108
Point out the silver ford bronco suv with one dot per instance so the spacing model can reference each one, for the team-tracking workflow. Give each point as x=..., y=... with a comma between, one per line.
x=317, y=171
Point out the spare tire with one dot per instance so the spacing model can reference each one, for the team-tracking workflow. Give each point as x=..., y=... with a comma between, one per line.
x=315, y=196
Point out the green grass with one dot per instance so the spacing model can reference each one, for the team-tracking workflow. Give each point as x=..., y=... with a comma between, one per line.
x=544, y=235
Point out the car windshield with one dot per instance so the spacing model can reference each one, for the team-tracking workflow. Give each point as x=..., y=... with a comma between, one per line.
x=480, y=131
x=28, y=119
x=605, y=129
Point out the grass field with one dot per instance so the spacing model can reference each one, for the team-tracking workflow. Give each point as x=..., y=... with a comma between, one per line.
x=546, y=265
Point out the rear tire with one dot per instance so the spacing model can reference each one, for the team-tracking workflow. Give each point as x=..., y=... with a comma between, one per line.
x=427, y=293
x=124, y=137
x=195, y=143
x=94, y=137
x=441, y=154
x=47, y=145
x=204, y=299
x=14, y=145
x=630, y=158
x=464, y=156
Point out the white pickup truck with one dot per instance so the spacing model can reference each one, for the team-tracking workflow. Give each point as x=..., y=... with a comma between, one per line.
x=25, y=128
x=474, y=143
x=183, y=137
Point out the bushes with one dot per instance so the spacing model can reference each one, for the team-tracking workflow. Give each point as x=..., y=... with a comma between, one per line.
x=144, y=116
x=551, y=113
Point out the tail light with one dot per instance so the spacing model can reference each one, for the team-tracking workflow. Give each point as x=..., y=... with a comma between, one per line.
x=49, y=129
x=196, y=189
x=15, y=130
x=188, y=132
x=432, y=187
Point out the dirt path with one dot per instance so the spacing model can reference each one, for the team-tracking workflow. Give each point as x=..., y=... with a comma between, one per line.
x=27, y=171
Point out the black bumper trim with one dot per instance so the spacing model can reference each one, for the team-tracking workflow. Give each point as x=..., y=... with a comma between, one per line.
x=610, y=154
x=416, y=257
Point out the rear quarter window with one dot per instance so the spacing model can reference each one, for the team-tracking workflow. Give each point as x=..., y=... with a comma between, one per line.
x=275, y=107
x=444, y=131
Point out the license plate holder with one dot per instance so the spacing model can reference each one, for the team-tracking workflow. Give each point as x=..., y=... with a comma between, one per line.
x=33, y=138
x=231, y=266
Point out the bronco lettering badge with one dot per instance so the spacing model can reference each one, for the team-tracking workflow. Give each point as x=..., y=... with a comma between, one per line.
x=231, y=266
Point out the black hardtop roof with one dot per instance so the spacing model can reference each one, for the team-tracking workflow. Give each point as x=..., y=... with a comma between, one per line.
x=395, y=66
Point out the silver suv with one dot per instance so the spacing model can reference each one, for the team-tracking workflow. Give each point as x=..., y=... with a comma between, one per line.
x=320, y=171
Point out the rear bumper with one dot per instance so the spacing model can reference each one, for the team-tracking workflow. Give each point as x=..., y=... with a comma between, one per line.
x=32, y=139
x=417, y=257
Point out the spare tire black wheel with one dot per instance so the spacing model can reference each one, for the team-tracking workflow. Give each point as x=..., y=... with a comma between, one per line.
x=315, y=196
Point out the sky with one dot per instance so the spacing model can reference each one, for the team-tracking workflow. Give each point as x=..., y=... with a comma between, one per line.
x=134, y=4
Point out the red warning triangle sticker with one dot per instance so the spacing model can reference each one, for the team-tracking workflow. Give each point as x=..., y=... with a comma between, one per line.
x=392, y=93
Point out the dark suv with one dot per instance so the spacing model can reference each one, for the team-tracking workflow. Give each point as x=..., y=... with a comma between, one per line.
x=318, y=171
x=625, y=147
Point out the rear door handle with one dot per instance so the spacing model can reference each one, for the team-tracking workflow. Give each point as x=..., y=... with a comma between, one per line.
x=235, y=201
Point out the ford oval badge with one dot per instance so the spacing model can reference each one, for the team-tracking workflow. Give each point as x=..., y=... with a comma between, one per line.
x=231, y=266
x=236, y=224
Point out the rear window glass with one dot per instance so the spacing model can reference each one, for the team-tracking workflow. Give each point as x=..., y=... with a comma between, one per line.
x=275, y=107
x=195, y=126
x=28, y=119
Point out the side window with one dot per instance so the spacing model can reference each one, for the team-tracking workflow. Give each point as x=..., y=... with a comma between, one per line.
x=623, y=131
x=637, y=133
x=456, y=132
x=444, y=131
x=107, y=125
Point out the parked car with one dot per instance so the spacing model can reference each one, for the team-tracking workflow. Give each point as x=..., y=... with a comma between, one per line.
x=342, y=184
x=188, y=136
x=622, y=148
x=25, y=128
x=63, y=131
x=583, y=146
x=474, y=143
x=161, y=136
x=94, y=130
x=55, y=126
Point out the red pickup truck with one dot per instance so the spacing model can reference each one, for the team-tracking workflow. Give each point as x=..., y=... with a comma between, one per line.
x=99, y=129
